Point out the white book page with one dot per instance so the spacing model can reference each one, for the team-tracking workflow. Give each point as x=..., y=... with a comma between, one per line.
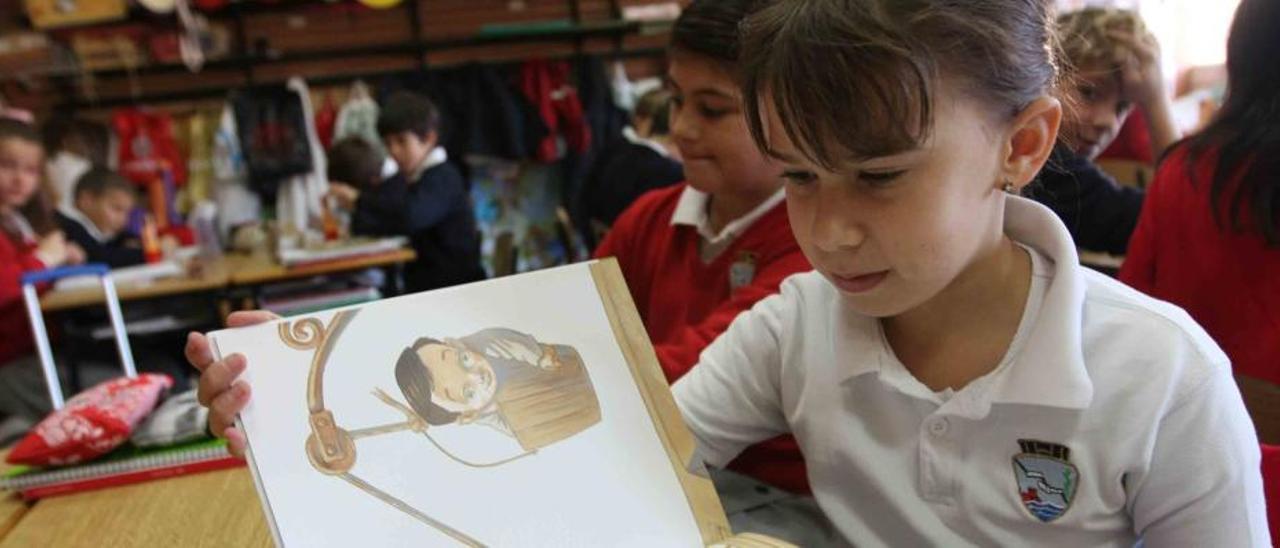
x=608, y=483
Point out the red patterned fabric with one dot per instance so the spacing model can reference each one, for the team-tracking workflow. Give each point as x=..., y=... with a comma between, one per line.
x=147, y=147
x=92, y=423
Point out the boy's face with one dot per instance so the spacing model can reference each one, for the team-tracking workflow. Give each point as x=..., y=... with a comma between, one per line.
x=891, y=233
x=108, y=211
x=1101, y=110
x=20, y=170
x=462, y=380
x=408, y=149
x=710, y=130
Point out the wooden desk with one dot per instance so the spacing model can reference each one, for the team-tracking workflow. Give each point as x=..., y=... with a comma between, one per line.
x=12, y=508
x=212, y=277
x=210, y=509
x=261, y=268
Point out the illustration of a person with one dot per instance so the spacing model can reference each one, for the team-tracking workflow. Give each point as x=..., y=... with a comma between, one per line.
x=501, y=378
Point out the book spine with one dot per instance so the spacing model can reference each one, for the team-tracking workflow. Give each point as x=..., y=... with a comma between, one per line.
x=128, y=478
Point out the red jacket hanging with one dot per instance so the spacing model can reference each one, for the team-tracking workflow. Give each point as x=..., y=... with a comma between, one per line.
x=546, y=85
x=147, y=146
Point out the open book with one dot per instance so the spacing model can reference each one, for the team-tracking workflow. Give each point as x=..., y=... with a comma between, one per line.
x=528, y=410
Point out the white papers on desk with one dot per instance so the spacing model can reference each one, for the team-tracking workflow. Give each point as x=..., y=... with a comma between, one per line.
x=128, y=276
x=341, y=250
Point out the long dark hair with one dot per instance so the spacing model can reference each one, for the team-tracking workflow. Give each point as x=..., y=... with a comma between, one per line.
x=1245, y=133
x=38, y=210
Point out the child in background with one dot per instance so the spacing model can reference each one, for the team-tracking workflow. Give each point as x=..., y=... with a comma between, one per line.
x=74, y=146
x=103, y=201
x=643, y=159
x=697, y=255
x=29, y=240
x=426, y=200
x=356, y=164
x=1209, y=238
x=356, y=167
x=952, y=374
x=1115, y=65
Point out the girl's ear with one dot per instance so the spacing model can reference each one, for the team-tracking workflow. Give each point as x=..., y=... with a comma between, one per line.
x=1031, y=139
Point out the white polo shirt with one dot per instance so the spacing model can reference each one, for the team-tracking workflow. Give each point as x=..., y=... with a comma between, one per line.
x=1113, y=417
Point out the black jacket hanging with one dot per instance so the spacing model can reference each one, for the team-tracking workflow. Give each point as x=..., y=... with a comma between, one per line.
x=273, y=136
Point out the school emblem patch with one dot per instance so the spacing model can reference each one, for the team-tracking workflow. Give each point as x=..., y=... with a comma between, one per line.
x=1047, y=481
x=743, y=270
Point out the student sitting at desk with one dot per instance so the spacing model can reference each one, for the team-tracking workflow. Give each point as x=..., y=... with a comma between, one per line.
x=426, y=200
x=98, y=221
x=1116, y=65
x=29, y=240
x=355, y=164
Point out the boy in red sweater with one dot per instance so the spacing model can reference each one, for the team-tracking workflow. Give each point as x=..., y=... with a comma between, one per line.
x=696, y=255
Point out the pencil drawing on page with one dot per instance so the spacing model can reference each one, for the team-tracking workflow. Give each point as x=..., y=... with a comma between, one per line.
x=501, y=379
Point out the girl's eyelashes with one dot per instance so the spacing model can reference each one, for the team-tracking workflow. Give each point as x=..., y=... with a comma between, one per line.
x=710, y=112
x=871, y=178
x=880, y=178
x=799, y=177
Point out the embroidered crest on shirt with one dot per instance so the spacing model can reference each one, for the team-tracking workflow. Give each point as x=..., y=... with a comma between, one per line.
x=1047, y=481
x=743, y=270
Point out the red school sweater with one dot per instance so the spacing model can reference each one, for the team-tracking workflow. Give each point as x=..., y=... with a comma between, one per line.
x=1228, y=281
x=16, y=258
x=685, y=303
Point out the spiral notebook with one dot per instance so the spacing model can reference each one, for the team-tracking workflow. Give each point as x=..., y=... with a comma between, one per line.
x=121, y=468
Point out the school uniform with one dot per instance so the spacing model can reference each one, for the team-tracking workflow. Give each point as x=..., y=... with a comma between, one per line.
x=17, y=257
x=1226, y=279
x=689, y=283
x=1112, y=418
x=431, y=207
x=626, y=169
x=1099, y=212
x=117, y=251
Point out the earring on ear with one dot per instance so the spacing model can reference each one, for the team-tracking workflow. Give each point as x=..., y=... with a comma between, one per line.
x=1008, y=187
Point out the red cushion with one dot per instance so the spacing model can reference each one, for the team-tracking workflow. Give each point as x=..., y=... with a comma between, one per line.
x=92, y=423
x=1271, y=486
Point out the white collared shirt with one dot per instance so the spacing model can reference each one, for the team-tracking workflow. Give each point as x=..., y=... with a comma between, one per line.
x=691, y=210
x=1114, y=402
x=76, y=215
x=629, y=133
x=436, y=157
x=63, y=171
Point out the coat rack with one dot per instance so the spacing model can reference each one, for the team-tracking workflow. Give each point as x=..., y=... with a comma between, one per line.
x=249, y=59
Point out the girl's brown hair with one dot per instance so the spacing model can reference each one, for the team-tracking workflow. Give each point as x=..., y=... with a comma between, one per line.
x=38, y=211
x=857, y=78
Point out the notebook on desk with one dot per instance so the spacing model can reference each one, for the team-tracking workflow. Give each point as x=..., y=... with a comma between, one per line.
x=528, y=410
x=339, y=250
x=123, y=467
